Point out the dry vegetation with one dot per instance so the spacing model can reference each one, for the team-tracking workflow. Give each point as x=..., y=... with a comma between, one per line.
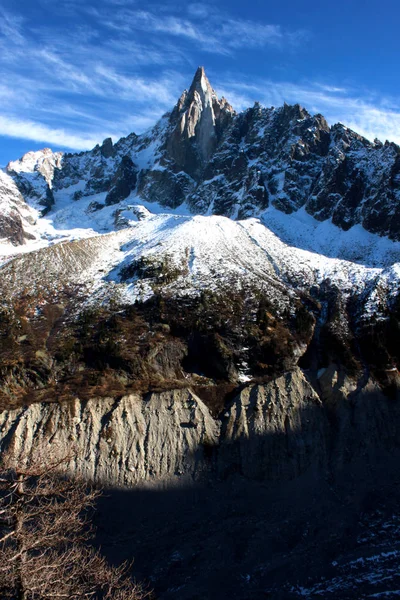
x=50, y=349
x=44, y=535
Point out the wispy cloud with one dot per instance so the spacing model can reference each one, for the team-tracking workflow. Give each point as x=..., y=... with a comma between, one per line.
x=239, y=34
x=373, y=122
x=152, y=23
x=159, y=91
x=208, y=27
x=109, y=67
x=201, y=11
x=72, y=87
x=11, y=26
x=37, y=132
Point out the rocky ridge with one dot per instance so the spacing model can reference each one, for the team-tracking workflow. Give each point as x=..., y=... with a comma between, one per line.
x=215, y=161
x=16, y=217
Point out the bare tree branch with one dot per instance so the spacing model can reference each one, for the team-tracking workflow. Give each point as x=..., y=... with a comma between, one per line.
x=44, y=529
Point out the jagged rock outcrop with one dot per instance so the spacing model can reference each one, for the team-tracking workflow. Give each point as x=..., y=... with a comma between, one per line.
x=196, y=125
x=224, y=163
x=43, y=161
x=124, y=181
x=107, y=148
x=11, y=229
x=34, y=174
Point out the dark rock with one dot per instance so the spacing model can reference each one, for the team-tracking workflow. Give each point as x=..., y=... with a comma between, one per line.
x=107, y=149
x=124, y=181
x=94, y=206
x=165, y=187
x=35, y=189
x=11, y=228
x=77, y=195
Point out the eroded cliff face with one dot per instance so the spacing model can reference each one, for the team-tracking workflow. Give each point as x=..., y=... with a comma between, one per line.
x=116, y=441
x=272, y=432
x=276, y=431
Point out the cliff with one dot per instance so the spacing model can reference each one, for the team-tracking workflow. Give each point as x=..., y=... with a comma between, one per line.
x=272, y=432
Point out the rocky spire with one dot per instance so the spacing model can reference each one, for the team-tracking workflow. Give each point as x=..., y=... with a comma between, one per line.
x=201, y=85
x=198, y=119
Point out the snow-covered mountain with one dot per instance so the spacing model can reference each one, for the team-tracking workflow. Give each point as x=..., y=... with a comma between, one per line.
x=211, y=201
x=313, y=188
x=217, y=297
x=204, y=156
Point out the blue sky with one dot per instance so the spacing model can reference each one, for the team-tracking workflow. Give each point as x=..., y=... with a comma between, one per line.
x=73, y=72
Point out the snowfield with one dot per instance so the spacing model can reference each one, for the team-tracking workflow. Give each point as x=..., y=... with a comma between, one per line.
x=204, y=251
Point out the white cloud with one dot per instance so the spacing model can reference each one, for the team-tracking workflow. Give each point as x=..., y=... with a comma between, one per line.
x=207, y=27
x=166, y=24
x=331, y=88
x=201, y=11
x=373, y=122
x=160, y=91
x=68, y=73
x=247, y=33
x=11, y=27
x=121, y=2
x=37, y=132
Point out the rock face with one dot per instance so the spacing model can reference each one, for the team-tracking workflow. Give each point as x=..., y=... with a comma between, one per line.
x=117, y=442
x=224, y=163
x=34, y=174
x=277, y=431
x=196, y=125
x=272, y=432
x=124, y=181
x=44, y=162
x=15, y=215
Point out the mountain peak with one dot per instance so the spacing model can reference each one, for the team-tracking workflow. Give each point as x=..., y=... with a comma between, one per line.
x=44, y=161
x=198, y=118
x=200, y=83
x=200, y=74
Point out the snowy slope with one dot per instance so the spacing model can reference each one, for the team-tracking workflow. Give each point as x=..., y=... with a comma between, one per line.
x=371, y=571
x=268, y=169
x=204, y=251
